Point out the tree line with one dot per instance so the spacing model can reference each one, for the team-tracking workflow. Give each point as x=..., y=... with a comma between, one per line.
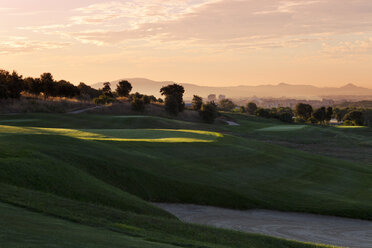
x=13, y=84
x=304, y=113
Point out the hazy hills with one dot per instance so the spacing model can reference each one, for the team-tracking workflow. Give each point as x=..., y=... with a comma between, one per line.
x=150, y=87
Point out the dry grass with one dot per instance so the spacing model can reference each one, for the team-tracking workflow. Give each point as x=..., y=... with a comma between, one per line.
x=29, y=104
x=154, y=109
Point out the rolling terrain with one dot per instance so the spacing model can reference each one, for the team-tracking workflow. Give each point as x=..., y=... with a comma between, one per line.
x=151, y=87
x=98, y=174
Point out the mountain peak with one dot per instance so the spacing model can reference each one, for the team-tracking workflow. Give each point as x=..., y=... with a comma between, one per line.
x=350, y=85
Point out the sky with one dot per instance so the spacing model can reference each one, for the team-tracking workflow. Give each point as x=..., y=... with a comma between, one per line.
x=206, y=42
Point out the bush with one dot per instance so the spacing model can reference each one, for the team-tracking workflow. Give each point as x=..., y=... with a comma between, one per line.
x=208, y=112
x=123, y=88
x=138, y=104
x=146, y=99
x=354, y=118
x=226, y=105
x=103, y=99
x=299, y=120
x=171, y=105
x=197, y=103
x=312, y=120
x=173, y=98
x=261, y=112
x=251, y=108
x=3, y=91
x=286, y=117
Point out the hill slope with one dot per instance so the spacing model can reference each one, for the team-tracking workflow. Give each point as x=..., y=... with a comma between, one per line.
x=100, y=171
x=150, y=87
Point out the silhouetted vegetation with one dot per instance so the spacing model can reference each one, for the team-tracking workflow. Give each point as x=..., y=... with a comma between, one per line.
x=138, y=104
x=354, y=118
x=304, y=111
x=226, y=105
x=123, y=88
x=208, y=112
x=173, y=98
x=251, y=108
x=197, y=102
x=87, y=92
x=11, y=84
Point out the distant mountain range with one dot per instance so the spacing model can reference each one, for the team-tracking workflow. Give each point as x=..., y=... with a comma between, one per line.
x=149, y=87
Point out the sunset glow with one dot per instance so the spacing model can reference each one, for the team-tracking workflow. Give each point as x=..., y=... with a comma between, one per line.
x=206, y=42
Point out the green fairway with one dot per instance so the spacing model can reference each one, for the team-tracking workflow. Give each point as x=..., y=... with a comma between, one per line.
x=21, y=228
x=105, y=162
x=282, y=128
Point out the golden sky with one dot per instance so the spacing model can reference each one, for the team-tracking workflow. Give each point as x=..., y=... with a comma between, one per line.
x=206, y=42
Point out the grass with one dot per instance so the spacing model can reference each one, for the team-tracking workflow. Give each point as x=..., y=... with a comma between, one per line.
x=32, y=104
x=282, y=128
x=60, y=222
x=99, y=172
x=344, y=143
x=22, y=228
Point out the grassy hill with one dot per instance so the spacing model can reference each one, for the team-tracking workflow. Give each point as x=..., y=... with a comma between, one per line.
x=101, y=171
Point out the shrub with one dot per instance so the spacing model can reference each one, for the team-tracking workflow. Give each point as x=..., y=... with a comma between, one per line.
x=171, y=105
x=173, y=98
x=103, y=99
x=251, y=108
x=304, y=110
x=226, y=105
x=286, y=117
x=208, y=112
x=299, y=120
x=354, y=118
x=261, y=112
x=197, y=103
x=123, y=88
x=138, y=104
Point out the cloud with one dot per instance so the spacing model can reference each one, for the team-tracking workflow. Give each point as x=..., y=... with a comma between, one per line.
x=24, y=45
x=358, y=47
x=223, y=24
x=225, y=21
x=135, y=12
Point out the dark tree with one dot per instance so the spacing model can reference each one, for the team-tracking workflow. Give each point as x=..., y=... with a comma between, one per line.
x=226, y=105
x=320, y=115
x=354, y=118
x=208, y=112
x=138, y=104
x=4, y=77
x=3, y=91
x=251, y=108
x=106, y=90
x=173, y=98
x=47, y=82
x=261, y=112
x=15, y=85
x=11, y=84
x=286, y=117
x=146, y=99
x=172, y=105
x=66, y=89
x=329, y=114
x=123, y=88
x=340, y=113
x=153, y=98
x=304, y=110
x=197, y=103
x=33, y=85
x=88, y=92
x=160, y=100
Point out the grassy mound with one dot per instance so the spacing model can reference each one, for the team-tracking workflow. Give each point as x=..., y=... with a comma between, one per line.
x=102, y=170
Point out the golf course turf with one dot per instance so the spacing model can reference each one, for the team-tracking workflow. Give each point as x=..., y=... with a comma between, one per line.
x=102, y=172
